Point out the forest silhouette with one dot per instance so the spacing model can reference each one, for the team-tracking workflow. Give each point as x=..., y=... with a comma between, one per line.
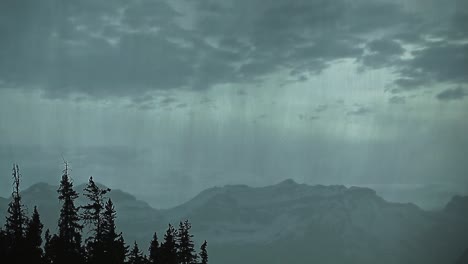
x=22, y=239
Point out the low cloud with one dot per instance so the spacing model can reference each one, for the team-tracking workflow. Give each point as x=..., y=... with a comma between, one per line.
x=452, y=94
x=360, y=110
x=397, y=100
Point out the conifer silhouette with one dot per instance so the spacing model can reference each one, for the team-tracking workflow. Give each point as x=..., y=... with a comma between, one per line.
x=67, y=244
x=185, y=246
x=169, y=247
x=33, y=249
x=203, y=253
x=16, y=219
x=92, y=216
x=114, y=249
x=15, y=225
x=154, y=251
x=136, y=256
x=21, y=239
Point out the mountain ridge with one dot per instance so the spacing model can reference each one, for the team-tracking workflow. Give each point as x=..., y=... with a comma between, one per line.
x=283, y=184
x=330, y=224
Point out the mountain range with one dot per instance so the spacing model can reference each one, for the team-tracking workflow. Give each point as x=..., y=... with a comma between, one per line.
x=290, y=223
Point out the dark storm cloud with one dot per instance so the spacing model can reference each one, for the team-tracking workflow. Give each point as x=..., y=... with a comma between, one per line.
x=321, y=108
x=439, y=62
x=67, y=47
x=458, y=23
x=149, y=101
x=119, y=48
x=382, y=53
x=168, y=101
x=389, y=47
x=452, y=94
x=451, y=18
x=143, y=98
x=301, y=36
x=397, y=100
x=371, y=16
x=409, y=83
x=444, y=62
x=444, y=58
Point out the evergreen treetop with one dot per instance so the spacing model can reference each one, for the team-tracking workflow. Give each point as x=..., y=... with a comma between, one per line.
x=33, y=243
x=136, y=256
x=185, y=246
x=16, y=219
x=92, y=212
x=67, y=244
x=169, y=246
x=154, y=251
x=203, y=253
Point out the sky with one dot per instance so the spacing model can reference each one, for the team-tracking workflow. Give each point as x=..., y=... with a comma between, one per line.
x=166, y=98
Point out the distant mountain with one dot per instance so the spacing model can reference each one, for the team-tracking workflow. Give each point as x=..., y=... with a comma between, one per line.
x=294, y=223
x=298, y=223
x=135, y=217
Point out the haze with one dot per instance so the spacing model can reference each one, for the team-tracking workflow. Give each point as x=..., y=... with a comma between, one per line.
x=166, y=98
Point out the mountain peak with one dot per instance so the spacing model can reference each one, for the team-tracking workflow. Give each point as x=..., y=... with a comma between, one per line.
x=288, y=182
x=362, y=190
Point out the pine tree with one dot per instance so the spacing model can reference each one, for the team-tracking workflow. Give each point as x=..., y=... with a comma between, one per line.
x=33, y=250
x=92, y=215
x=154, y=251
x=114, y=249
x=68, y=247
x=136, y=257
x=92, y=212
x=15, y=224
x=203, y=253
x=169, y=247
x=16, y=219
x=186, y=249
x=21, y=240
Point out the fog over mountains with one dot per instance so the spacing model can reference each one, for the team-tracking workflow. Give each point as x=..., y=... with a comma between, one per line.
x=291, y=223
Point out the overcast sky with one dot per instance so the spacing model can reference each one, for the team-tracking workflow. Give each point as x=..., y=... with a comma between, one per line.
x=166, y=98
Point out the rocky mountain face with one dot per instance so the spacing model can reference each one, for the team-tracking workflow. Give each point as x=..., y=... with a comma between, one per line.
x=292, y=223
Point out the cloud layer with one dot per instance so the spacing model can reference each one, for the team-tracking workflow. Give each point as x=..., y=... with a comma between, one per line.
x=129, y=48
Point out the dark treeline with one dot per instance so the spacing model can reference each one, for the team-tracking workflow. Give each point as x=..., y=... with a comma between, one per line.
x=21, y=240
